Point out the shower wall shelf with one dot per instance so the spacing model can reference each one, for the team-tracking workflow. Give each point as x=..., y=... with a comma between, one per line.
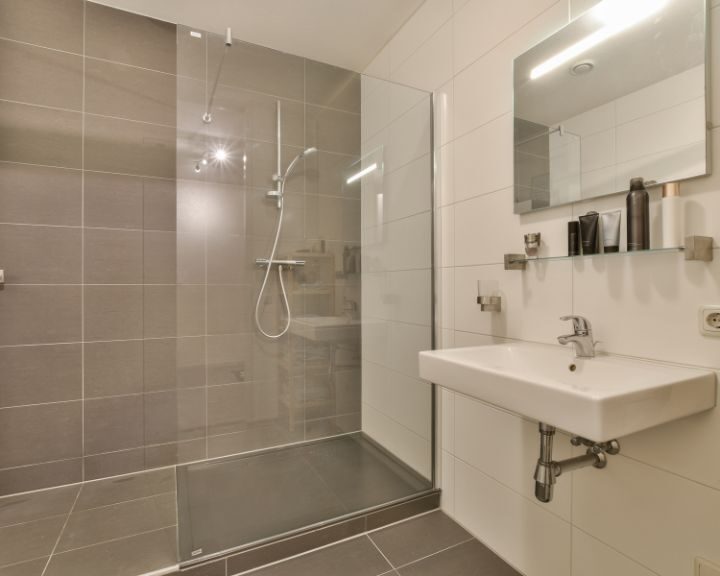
x=697, y=248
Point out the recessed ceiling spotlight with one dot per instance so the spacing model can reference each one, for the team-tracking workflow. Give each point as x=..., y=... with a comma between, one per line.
x=582, y=68
x=220, y=154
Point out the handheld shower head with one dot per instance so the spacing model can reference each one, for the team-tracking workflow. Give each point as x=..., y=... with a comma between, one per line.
x=308, y=151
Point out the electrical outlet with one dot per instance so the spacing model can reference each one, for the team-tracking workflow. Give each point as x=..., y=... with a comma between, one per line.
x=705, y=568
x=709, y=318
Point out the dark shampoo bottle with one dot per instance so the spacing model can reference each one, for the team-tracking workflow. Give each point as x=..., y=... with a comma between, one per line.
x=638, y=216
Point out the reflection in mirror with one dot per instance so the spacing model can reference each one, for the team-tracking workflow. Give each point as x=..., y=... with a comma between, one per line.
x=618, y=93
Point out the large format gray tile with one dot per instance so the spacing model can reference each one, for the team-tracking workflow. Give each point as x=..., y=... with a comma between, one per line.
x=128, y=38
x=38, y=476
x=113, y=424
x=39, y=374
x=113, y=312
x=127, y=147
x=172, y=363
x=40, y=433
x=229, y=309
x=37, y=505
x=39, y=195
x=332, y=130
x=134, y=555
x=40, y=314
x=356, y=557
x=52, y=23
x=113, y=201
x=171, y=311
x=159, y=204
x=127, y=92
x=40, y=76
x=113, y=256
x=174, y=415
x=114, y=463
x=418, y=537
x=257, y=68
x=160, y=265
x=115, y=490
x=469, y=559
x=35, y=135
x=29, y=541
x=90, y=527
x=40, y=254
x=113, y=368
x=331, y=86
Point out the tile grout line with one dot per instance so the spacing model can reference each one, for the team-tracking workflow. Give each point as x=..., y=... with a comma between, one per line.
x=82, y=260
x=422, y=558
x=392, y=566
x=62, y=530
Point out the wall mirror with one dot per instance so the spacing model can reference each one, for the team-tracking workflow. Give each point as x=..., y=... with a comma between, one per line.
x=618, y=93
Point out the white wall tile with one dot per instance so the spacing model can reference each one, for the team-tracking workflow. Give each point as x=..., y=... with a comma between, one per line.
x=630, y=299
x=483, y=240
x=484, y=159
x=532, y=300
x=406, y=400
x=380, y=65
x=477, y=101
x=480, y=25
x=578, y=7
x=408, y=190
x=504, y=446
x=431, y=15
x=411, y=448
x=535, y=541
x=445, y=175
x=408, y=137
x=431, y=65
x=715, y=59
x=660, y=520
x=447, y=420
x=408, y=296
x=447, y=483
x=593, y=558
x=444, y=305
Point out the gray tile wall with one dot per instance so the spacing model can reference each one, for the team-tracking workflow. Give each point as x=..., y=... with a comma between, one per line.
x=126, y=334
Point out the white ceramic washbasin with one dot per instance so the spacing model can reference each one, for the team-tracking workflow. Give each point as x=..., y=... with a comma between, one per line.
x=599, y=398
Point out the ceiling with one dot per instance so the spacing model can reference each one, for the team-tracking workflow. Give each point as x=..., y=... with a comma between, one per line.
x=346, y=33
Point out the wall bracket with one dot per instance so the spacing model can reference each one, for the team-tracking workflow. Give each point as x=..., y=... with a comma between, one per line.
x=699, y=248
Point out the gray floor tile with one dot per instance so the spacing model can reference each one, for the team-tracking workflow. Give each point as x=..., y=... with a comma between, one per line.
x=89, y=527
x=126, y=557
x=357, y=557
x=418, y=537
x=469, y=559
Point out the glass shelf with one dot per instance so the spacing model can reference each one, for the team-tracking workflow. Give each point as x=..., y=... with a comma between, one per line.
x=518, y=259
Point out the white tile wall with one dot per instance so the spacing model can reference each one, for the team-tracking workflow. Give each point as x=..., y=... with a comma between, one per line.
x=657, y=506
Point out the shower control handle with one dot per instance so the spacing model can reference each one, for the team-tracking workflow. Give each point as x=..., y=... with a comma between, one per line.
x=264, y=262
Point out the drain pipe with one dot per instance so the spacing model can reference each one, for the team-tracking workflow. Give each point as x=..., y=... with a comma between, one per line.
x=547, y=470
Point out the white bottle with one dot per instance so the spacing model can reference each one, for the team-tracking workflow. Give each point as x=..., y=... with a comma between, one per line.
x=672, y=216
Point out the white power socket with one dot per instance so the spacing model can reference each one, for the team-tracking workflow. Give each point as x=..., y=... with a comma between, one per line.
x=709, y=319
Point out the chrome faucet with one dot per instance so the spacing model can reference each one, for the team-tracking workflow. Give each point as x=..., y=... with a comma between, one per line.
x=581, y=339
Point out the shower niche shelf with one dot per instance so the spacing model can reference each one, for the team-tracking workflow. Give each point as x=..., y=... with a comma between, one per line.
x=697, y=248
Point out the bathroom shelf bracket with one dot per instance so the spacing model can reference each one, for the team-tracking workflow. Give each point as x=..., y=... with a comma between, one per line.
x=515, y=262
x=699, y=248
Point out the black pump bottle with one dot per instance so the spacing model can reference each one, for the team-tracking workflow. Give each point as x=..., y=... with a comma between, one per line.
x=638, y=216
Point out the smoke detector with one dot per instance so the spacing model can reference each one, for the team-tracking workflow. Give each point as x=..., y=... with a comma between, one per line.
x=582, y=68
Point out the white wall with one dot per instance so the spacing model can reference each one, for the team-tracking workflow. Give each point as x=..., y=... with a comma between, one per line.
x=657, y=505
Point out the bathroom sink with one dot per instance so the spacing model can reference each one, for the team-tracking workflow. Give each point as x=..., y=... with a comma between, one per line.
x=599, y=398
x=326, y=328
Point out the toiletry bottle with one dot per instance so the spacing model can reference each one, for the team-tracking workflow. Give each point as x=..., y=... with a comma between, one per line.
x=573, y=238
x=638, y=216
x=672, y=233
x=589, y=232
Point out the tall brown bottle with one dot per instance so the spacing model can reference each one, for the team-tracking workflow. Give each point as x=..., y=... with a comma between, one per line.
x=638, y=216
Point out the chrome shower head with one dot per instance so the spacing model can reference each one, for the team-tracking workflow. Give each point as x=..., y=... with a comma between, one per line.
x=308, y=151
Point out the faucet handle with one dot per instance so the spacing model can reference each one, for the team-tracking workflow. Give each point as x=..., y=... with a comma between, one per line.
x=581, y=325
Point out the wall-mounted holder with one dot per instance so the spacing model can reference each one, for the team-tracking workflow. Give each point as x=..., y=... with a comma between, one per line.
x=532, y=243
x=547, y=470
x=490, y=303
x=699, y=248
x=2, y=279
